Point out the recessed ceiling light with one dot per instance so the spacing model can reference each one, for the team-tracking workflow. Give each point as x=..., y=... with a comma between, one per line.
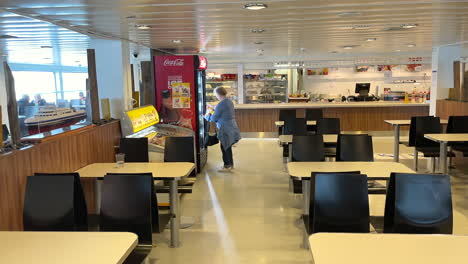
x=349, y=14
x=397, y=50
x=350, y=46
x=257, y=30
x=411, y=25
x=260, y=50
x=255, y=6
x=177, y=41
x=46, y=47
x=258, y=42
x=356, y=27
x=411, y=45
x=143, y=27
x=371, y=39
x=334, y=51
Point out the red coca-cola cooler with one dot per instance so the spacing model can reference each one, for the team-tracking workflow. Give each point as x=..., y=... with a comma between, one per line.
x=180, y=96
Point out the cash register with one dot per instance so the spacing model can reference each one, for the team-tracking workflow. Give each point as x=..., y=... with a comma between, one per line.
x=363, y=90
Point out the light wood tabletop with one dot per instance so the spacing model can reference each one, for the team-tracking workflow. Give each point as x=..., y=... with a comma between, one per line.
x=159, y=170
x=66, y=247
x=376, y=169
x=334, y=248
x=459, y=137
x=309, y=123
x=286, y=139
x=408, y=122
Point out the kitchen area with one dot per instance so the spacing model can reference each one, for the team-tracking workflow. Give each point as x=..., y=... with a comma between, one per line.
x=361, y=93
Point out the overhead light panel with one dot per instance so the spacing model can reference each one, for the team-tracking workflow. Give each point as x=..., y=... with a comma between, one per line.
x=260, y=50
x=258, y=42
x=408, y=25
x=397, y=50
x=255, y=6
x=257, y=30
x=411, y=45
x=356, y=27
x=143, y=27
x=177, y=41
x=348, y=47
x=371, y=39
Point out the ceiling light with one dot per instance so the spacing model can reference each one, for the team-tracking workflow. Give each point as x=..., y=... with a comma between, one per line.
x=411, y=45
x=334, y=51
x=371, y=39
x=255, y=6
x=260, y=50
x=347, y=47
x=397, y=50
x=408, y=25
x=350, y=46
x=177, y=41
x=258, y=42
x=355, y=27
x=349, y=14
x=143, y=27
x=257, y=30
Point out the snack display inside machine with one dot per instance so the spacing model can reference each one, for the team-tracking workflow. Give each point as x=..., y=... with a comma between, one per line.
x=180, y=96
x=144, y=122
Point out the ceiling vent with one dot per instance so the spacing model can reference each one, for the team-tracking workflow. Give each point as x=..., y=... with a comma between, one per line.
x=394, y=29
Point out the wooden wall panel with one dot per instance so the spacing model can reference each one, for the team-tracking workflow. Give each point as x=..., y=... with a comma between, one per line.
x=446, y=108
x=64, y=154
x=352, y=118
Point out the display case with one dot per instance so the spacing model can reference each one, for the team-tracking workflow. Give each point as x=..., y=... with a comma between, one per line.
x=228, y=81
x=268, y=87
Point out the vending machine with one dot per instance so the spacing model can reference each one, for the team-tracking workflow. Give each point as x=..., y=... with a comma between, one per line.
x=180, y=96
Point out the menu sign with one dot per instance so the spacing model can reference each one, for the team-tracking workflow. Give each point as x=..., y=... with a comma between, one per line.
x=143, y=117
x=181, y=95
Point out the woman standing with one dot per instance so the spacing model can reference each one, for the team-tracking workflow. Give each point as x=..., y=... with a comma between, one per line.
x=228, y=131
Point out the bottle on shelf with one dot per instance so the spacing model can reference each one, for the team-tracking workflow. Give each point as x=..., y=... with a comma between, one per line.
x=406, y=97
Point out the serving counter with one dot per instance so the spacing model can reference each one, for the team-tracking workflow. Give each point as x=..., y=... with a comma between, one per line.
x=355, y=116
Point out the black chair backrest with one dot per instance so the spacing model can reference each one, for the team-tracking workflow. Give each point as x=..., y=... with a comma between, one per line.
x=328, y=126
x=81, y=210
x=457, y=124
x=48, y=204
x=5, y=132
x=426, y=125
x=179, y=149
x=289, y=125
x=126, y=205
x=418, y=203
x=308, y=148
x=354, y=148
x=340, y=203
x=314, y=114
x=135, y=149
x=300, y=127
x=287, y=114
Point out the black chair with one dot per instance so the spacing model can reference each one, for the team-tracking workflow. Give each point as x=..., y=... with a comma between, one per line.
x=286, y=115
x=328, y=126
x=418, y=204
x=458, y=124
x=81, y=210
x=306, y=148
x=126, y=206
x=49, y=204
x=426, y=125
x=339, y=203
x=313, y=115
x=354, y=148
x=5, y=133
x=135, y=149
x=179, y=149
x=296, y=126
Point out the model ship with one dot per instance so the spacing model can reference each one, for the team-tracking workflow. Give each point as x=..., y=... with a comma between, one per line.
x=51, y=117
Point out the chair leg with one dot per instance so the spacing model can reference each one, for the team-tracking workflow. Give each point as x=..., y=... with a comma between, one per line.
x=415, y=160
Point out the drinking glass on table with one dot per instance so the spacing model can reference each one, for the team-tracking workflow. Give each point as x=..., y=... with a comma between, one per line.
x=120, y=159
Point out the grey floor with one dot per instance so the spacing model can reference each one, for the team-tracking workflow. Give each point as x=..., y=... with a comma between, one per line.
x=249, y=216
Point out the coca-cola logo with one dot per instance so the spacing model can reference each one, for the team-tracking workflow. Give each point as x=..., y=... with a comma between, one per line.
x=176, y=62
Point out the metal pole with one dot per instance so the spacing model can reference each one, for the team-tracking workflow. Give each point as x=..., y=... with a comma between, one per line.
x=175, y=221
x=396, y=144
x=443, y=157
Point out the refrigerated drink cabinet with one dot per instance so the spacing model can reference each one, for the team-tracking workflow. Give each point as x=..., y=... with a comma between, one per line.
x=180, y=96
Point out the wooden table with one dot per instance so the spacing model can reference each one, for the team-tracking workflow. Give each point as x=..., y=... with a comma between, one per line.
x=66, y=247
x=338, y=248
x=172, y=171
x=378, y=170
x=309, y=123
x=444, y=139
x=396, y=126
